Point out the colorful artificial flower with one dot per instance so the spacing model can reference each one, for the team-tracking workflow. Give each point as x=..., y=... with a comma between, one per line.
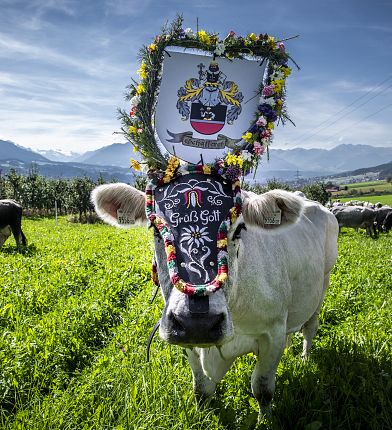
x=268, y=90
x=220, y=48
x=233, y=160
x=132, y=129
x=271, y=125
x=207, y=170
x=278, y=85
x=135, y=165
x=266, y=134
x=142, y=71
x=188, y=32
x=258, y=148
x=271, y=41
x=269, y=101
x=233, y=172
x=252, y=37
x=135, y=100
x=247, y=136
x=132, y=113
x=261, y=121
x=286, y=71
x=231, y=34
x=268, y=112
x=152, y=47
x=204, y=37
x=140, y=89
x=246, y=155
x=172, y=166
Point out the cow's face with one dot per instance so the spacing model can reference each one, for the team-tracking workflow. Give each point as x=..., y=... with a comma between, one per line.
x=190, y=321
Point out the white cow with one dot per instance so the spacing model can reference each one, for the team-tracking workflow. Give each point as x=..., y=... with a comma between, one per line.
x=278, y=276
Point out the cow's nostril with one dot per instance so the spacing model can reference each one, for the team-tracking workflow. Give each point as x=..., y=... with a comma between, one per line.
x=175, y=323
x=218, y=323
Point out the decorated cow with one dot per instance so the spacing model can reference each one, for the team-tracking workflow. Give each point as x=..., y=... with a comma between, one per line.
x=238, y=271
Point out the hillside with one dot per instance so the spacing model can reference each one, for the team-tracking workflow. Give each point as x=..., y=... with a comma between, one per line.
x=384, y=170
x=117, y=154
x=21, y=159
x=52, y=169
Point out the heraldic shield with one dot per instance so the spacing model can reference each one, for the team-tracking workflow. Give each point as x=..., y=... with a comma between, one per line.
x=205, y=104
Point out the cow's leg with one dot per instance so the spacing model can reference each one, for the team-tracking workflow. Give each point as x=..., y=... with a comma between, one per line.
x=310, y=328
x=203, y=386
x=4, y=235
x=209, y=366
x=271, y=347
x=16, y=228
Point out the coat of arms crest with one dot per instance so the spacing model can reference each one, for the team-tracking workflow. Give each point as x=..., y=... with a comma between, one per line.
x=204, y=103
x=209, y=100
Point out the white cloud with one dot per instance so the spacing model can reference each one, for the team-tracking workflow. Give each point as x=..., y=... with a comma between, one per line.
x=10, y=47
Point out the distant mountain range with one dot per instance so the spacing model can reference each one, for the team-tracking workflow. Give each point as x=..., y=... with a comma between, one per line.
x=21, y=158
x=307, y=163
x=113, y=161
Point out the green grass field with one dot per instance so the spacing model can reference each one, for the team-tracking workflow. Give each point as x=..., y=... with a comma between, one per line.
x=385, y=199
x=75, y=316
x=380, y=185
x=371, y=191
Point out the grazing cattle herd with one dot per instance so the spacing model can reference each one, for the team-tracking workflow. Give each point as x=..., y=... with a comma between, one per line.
x=374, y=218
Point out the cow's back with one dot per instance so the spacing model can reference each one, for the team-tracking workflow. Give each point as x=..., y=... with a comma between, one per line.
x=355, y=216
x=281, y=275
x=10, y=211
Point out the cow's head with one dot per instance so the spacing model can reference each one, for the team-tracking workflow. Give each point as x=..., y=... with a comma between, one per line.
x=190, y=320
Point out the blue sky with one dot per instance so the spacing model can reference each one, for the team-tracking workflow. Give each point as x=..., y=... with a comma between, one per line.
x=64, y=65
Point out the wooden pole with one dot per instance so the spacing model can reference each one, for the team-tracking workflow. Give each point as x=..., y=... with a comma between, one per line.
x=55, y=210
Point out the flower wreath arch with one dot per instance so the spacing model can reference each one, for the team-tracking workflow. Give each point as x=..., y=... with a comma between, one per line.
x=138, y=124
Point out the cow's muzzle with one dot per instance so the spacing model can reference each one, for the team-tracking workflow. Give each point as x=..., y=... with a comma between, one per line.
x=196, y=322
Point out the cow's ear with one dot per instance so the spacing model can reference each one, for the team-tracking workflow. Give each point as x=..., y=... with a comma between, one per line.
x=119, y=204
x=271, y=210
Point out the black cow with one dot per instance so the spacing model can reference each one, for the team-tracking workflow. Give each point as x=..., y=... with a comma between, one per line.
x=356, y=217
x=381, y=214
x=387, y=225
x=11, y=221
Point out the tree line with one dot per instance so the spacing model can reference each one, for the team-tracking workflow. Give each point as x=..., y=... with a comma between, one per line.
x=40, y=195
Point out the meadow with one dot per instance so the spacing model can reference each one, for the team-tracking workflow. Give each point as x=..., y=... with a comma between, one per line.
x=76, y=313
x=370, y=191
